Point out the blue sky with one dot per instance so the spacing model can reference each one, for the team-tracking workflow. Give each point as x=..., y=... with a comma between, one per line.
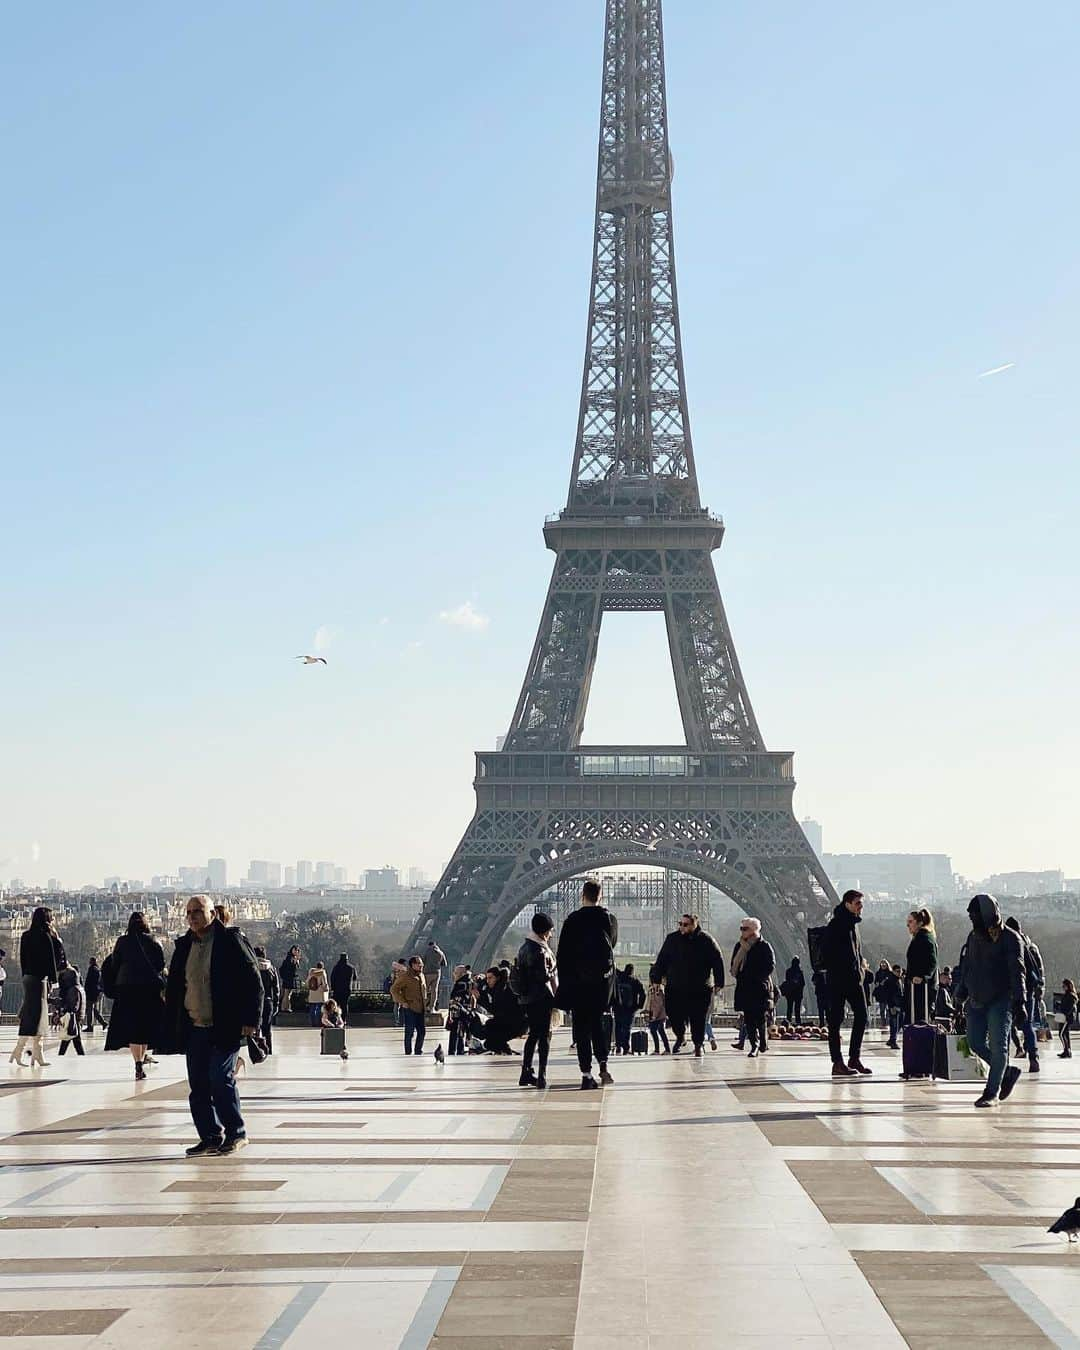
x=295, y=301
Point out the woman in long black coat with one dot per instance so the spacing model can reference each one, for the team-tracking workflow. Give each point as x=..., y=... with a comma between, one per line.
x=137, y=982
x=921, y=967
x=41, y=957
x=753, y=965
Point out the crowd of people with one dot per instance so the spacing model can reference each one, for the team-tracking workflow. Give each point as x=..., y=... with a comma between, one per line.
x=218, y=994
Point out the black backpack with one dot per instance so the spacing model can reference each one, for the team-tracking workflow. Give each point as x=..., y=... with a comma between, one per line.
x=815, y=940
x=1033, y=966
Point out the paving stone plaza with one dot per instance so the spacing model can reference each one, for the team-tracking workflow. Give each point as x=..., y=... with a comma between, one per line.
x=399, y=1203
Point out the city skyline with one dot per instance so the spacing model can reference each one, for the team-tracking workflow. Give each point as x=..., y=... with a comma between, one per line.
x=267, y=405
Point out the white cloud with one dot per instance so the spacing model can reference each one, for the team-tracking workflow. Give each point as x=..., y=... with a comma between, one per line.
x=465, y=616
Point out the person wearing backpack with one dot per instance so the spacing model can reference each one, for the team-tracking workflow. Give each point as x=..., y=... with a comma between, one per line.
x=1035, y=981
x=793, y=988
x=629, y=997
x=534, y=980
x=318, y=991
x=691, y=966
x=586, y=969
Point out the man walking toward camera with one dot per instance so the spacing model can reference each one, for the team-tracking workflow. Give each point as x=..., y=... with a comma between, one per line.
x=213, y=1002
x=692, y=968
x=844, y=982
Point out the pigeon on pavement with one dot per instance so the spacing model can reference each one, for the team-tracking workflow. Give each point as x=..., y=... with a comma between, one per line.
x=1069, y=1222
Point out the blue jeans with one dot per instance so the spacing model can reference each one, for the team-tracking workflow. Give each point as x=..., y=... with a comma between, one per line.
x=315, y=1013
x=214, y=1100
x=988, y=1030
x=896, y=1019
x=414, y=1024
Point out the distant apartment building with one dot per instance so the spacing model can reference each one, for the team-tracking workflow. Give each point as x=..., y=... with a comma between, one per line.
x=341, y=876
x=217, y=870
x=813, y=833
x=1051, y=882
x=898, y=876
x=305, y=873
x=289, y=880
x=262, y=873
x=192, y=878
x=418, y=877
x=324, y=874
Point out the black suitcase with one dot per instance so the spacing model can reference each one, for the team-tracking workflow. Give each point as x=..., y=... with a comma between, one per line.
x=639, y=1042
x=333, y=1041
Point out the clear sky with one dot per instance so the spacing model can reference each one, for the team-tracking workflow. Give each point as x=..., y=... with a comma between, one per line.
x=294, y=303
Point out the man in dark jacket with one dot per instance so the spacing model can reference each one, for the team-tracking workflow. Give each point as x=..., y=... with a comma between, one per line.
x=92, y=986
x=1035, y=983
x=792, y=989
x=271, y=996
x=991, y=979
x=288, y=971
x=692, y=968
x=213, y=1001
x=341, y=983
x=534, y=981
x=586, y=968
x=844, y=975
x=629, y=997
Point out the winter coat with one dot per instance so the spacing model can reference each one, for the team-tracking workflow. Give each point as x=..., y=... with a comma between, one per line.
x=341, y=979
x=434, y=959
x=689, y=962
x=535, y=980
x=922, y=960
x=586, y=959
x=41, y=954
x=843, y=951
x=409, y=990
x=753, y=983
x=943, y=1003
x=1069, y=1004
x=992, y=962
x=270, y=983
x=629, y=993
x=794, y=982
x=880, y=976
x=318, y=986
x=236, y=990
x=890, y=991
x=72, y=998
x=93, y=983
x=289, y=970
x=138, y=959
x=655, y=1005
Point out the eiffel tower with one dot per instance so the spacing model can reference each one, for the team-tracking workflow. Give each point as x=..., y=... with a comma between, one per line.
x=633, y=536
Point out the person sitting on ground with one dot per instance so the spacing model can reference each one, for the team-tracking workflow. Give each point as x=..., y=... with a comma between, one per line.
x=331, y=1014
x=318, y=991
x=1069, y=1004
x=507, y=1020
x=943, y=1000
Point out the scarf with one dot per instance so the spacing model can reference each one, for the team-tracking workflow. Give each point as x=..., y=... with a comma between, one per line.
x=739, y=959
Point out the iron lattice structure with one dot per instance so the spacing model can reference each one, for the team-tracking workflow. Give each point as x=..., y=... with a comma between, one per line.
x=652, y=895
x=632, y=536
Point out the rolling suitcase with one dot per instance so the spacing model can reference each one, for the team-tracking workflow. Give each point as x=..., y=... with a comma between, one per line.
x=333, y=1041
x=639, y=1042
x=919, y=1046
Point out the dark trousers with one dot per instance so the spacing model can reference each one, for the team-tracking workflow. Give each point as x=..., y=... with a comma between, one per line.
x=839, y=999
x=538, y=1040
x=267, y=1026
x=415, y=1025
x=213, y=1098
x=756, y=1030
x=689, y=1006
x=592, y=1036
x=794, y=1008
x=76, y=1041
x=93, y=1010
x=456, y=1044
x=624, y=1020
x=659, y=1033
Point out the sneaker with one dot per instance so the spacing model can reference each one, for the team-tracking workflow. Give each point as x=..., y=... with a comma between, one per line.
x=842, y=1071
x=858, y=1066
x=1012, y=1077
x=605, y=1078
x=588, y=1082
x=712, y=1045
x=234, y=1145
x=205, y=1148
x=752, y=1055
x=698, y=1052
x=986, y=1101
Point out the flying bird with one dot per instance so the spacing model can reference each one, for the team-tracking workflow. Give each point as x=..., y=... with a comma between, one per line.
x=996, y=370
x=1069, y=1222
x=312, y=660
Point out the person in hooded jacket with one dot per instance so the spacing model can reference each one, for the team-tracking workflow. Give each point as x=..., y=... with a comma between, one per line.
x=1035, y=982
x=691, y=966
x=920, y=981
x=752, y=966
x=73, y=1007
x=535, y=983
x=991, y=979
x=844, y=971
x=793, y=989
x=342, y=976
x=629, y=998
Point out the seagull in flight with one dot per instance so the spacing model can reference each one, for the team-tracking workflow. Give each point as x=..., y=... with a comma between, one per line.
x=997, y=370
x=312, y=660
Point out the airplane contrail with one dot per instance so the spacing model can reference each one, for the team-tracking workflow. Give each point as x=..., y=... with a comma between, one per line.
x=996, y=370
